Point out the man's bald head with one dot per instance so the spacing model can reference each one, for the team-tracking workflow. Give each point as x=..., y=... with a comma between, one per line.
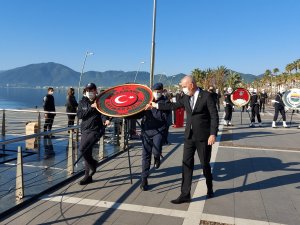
x=189, y=85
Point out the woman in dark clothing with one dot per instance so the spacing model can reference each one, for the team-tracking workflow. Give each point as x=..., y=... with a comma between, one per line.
x=71, y=106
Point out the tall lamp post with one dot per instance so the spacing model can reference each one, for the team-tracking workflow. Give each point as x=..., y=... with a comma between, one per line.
x=86, y=55
x=138, y=71
x=153, y=44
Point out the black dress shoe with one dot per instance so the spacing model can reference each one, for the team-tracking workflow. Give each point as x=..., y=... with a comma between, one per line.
x=156, y=162
x=144, y=185
x=181, y=199
x=210, y=194
x=86, y=180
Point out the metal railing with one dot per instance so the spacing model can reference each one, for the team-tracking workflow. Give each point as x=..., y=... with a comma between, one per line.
x=113, y=136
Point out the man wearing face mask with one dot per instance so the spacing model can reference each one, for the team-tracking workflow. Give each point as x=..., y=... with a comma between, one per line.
x=200, y=133
x=279, y=107
x=49, y=105
x=92, y=128
x=228, y=107
x=154, y=128
x=263, y=99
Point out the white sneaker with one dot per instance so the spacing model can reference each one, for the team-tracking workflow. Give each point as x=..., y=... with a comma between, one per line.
x=225, y=122
x=251, y=125
x=274, y=124
x=260, y=124
x=284, y=124
x=299, y=127
x=229, y=123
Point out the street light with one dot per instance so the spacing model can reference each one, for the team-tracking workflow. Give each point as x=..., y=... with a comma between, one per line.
x=86, y=55
x=138, y=71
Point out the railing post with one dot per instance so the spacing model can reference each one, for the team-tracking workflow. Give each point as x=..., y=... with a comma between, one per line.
x=3, y=123
x=3, y=127
x=38, y=132
x=19, y=175
x=70, y=168
x=101, y=147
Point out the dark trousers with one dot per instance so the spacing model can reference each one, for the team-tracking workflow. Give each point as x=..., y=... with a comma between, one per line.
x=262, y=106
x=48, y=122
x=228, y=112
x=255, y=112
x=282, y=112
x=150, y=144
x=71, y=119
x=88, y=140
x=204, y=153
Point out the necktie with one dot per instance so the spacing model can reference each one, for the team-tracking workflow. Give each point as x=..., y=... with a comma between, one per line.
x=192, y=102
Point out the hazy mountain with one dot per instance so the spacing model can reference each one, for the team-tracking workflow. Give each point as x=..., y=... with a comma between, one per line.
x=54, y=74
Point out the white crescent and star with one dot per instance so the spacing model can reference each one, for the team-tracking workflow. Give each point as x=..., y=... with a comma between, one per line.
x=117, y=99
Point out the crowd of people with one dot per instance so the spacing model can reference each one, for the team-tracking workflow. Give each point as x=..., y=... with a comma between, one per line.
x=202, y=121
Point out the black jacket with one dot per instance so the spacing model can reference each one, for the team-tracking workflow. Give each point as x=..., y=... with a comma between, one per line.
x=92, y=119
x=254, y=100
x=279, y=103
x=204, y=119
x=263, y=97
x=71, y=104
x=227, y=99
x=154, y=121
x=49, y=104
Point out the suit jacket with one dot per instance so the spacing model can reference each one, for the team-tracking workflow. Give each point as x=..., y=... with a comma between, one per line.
x=204, y=119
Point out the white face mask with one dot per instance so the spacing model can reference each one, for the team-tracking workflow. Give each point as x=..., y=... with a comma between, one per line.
x=50, y=92
x=90, y=95
x=186, y=91
x=157, y=95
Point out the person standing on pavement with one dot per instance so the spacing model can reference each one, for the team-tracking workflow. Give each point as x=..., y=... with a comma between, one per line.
x=200, y=134
x=263, y=100
x=92, y=128
x=154, y=128
x=228, y=107
x=214, y=94
x=49, y=107
x=71, y=106
x=279, y=107
x=254, y=105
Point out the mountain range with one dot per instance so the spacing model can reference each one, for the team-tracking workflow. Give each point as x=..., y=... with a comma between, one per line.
x=54, y=74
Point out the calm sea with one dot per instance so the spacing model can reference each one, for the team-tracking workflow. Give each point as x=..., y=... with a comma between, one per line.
x=22, y=98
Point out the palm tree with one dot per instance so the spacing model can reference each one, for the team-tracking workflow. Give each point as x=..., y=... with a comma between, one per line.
x=234, y=79
x=275, y=71
x=289, y=67
x=221, y=74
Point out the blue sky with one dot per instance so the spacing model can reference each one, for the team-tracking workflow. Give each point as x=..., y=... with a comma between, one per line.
x=247, y=36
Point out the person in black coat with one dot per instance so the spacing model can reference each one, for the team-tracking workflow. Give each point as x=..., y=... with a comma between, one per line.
x=201, y=129
x=71, y=106
x=49, y=106
x=154, y=129
x=263, y=100
x=92, y=128
x=228, y=105
x=214, y=94
x=279, y=107
x=254, y=105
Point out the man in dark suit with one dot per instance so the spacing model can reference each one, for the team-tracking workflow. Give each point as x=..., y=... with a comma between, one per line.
x=200, y=133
